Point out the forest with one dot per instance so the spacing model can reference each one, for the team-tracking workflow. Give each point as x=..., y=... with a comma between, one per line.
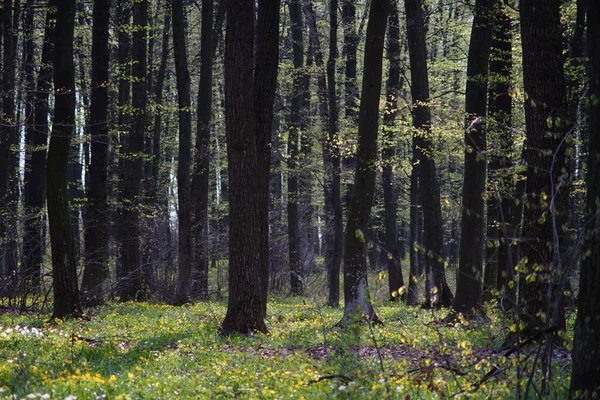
x=299, y=199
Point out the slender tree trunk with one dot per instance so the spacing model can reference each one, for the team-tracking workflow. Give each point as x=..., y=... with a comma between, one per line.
x=185, y=141
x=415, y=204
x=130, y=279
x=585, y=378
x=422, y=145
x=390, y=197
x=66, y=293
x=357, y=303
x=296, y=117
x=470, y=262
x=200, y=177
x=96, y=230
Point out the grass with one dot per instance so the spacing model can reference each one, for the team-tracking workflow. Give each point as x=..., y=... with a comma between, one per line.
x=141, y=350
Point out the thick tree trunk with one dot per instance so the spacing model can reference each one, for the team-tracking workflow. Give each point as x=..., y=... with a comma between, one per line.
x=357, y=303
x=66, y=293
x=200, y=175
x=249, y=96
x=470, y=262
x=585, y=378
x=184, y=159
x=96, y=231
x=544, y=154
x=390, y=197
x=429, y=190
x=130, y=277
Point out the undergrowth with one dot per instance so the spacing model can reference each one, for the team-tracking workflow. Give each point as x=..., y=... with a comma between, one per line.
x=140, y=350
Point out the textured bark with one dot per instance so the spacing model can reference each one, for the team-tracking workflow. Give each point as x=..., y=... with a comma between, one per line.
x=249, y=96
x=200, y=175
x=585, y=378
x=470, y=262
x=333, y=201
x=130, y=276
x=415, y=204
x=388, y=153
x=96, y=232
x=185, y=142
x=296, y=116
x=66, y=294
x=545, y=112
x=433, y=243
x=356, y=298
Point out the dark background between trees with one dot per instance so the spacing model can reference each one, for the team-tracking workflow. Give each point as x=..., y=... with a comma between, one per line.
x=183, y=150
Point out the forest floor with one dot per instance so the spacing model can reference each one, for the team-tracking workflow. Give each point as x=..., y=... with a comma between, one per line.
x=154, y=351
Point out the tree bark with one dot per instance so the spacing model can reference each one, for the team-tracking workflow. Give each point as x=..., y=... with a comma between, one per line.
x=388, y=153
x=433, y=244
x=585, y=377
x=249, y=96
x=470, y=262
x=356, y=298
x=66, y=294
x=96, y=231
x=544, y=154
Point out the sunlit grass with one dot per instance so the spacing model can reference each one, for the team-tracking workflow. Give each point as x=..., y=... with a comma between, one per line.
x=139, y=350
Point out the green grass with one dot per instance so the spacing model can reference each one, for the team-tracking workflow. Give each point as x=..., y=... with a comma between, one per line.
x=151, y=351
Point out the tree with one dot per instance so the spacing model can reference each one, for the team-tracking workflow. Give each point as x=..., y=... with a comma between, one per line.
x=66, y=293
x=423, y=149
x=470, y=262
x=333, y=200
x=200, y=177
x=544, y=153
x=130, y=274
x=585, y=378
x=96, y=232
x=185, y=141
x=249, y=95
x=356, y=297
x=394, y=84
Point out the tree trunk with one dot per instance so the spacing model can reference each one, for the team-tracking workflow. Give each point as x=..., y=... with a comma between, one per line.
x=544, y=154
x=130, y=277
x=296, y=116
x=388, y=153
x=185, y=142
x=200, y=176
x=470, y=261
x=433, y=243
x=96, y=221
x=585, y=378
x=66, y=294
x=356, y=298
x=249, y=97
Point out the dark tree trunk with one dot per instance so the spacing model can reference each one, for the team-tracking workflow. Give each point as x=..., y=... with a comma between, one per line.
x=66, y=294
x=36, y=139
x=130, y=277
x=585, y=378
x=185, y=142
x=333, y=201
x=296, y=117
x=200, y=176
x=249, y=97
x=433, y=241
x=388, y=153
x=8, y=139
x=544, y=154
x=499, y=268
x=357, y=304
x=96, y=221
x=470, y=261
